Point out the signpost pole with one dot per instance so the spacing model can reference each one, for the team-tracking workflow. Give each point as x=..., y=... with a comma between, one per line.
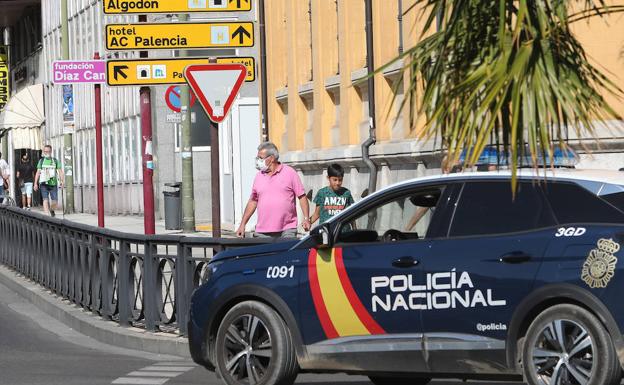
x=98, y=150
x=149, y=222
x=215, y=175
x=216, y=180
x=67, y=150
x=188, y=201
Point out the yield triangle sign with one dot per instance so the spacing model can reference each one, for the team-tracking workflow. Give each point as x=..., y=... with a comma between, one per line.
x=216, y=86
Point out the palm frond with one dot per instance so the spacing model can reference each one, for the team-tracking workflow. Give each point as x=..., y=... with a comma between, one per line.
x=508, y=72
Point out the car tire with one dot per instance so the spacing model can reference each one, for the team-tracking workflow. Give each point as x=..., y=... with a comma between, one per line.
x=399, y=380
x=567, y=344
x=253, y=339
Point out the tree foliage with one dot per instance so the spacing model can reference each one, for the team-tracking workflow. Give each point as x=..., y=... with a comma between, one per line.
x=505, y=72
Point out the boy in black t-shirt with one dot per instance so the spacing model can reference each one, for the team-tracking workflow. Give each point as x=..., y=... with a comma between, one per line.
x=332, y=199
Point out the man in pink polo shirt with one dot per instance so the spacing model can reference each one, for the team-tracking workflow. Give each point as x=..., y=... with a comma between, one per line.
x=274, y=192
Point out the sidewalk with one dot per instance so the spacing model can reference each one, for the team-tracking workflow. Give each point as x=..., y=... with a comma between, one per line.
x=131, y=224
x=91, y=325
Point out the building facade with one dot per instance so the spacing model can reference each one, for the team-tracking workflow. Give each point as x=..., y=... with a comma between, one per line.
x=318, y=104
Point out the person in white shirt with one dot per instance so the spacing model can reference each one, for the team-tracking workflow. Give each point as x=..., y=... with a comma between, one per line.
x=5, y=177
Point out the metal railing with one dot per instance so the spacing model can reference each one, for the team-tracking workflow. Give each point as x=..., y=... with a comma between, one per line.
x=134, y=279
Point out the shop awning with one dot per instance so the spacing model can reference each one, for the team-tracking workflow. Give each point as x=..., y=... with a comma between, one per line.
x=24, y=116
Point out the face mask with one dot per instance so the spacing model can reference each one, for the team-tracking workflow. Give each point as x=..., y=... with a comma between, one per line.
x=261, y=165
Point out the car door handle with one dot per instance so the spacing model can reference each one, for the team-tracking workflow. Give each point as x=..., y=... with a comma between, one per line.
x=404, y=262
x=515, y=258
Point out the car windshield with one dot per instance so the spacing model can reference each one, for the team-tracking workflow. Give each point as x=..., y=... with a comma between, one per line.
x=409, y=215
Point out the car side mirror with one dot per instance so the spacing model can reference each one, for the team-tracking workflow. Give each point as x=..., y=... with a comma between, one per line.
x=322, y=237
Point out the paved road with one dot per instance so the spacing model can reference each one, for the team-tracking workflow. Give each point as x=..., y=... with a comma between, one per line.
x=36, y=349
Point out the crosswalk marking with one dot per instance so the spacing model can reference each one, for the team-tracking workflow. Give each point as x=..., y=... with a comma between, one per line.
x=155, y=374
x=169, y=368
x=140, y=381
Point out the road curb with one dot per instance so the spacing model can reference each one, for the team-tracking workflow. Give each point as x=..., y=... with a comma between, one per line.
x=85, y=322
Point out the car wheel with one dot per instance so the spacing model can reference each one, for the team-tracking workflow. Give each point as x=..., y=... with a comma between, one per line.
x=254, y=346
x=567, y=345
x=399, y=380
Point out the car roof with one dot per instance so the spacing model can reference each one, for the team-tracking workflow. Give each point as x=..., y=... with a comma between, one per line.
x=580, y=176
x=583, y=177
x=601, y=176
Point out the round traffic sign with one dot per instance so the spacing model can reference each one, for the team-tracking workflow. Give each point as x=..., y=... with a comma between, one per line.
x=172, y=98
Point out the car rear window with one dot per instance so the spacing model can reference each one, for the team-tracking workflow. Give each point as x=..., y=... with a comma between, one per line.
x=490, y=208
x=572, y=203
x=616, y=200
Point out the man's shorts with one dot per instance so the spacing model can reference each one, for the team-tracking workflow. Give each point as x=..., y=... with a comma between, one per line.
x=27, y=189
x=289, y=233
x=49, y=191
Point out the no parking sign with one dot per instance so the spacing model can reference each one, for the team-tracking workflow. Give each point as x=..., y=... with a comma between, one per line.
x=172, y=98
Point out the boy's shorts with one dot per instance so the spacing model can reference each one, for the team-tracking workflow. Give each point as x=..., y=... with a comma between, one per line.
x=49, y=191
x=27, y=189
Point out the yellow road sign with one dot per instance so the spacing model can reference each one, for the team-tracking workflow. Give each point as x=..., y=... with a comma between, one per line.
x=163, y=71
x=4, y=76
x=174, y=6
x=123, y=37
x=248, y=61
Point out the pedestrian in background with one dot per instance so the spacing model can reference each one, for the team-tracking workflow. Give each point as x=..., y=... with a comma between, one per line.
x=276, y=188
x=48, y=178
x=5, y=177
x=25, y=178
x=332, y=199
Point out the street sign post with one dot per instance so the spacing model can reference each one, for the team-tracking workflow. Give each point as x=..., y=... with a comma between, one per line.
x=97, y=88
x=79, y=71
x=216, y=87
x=113, y=7
x=148, y=72
x=124, y=37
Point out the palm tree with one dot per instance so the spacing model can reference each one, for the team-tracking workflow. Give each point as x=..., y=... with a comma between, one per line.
x=505, y=72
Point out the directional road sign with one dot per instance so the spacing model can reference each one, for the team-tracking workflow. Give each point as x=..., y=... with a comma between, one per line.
x=124, y=37
x=216, y=86
x=174, y=6
x=146, y=72
x=4, y=75
x=248, y=61
x=79, y=71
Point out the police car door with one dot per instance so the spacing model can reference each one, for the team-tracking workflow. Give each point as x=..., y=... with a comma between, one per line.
x=367, y=287
x=477, y=275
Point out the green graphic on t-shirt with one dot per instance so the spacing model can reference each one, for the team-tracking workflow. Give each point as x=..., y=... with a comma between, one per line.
x=332, y=202
x=49, y=171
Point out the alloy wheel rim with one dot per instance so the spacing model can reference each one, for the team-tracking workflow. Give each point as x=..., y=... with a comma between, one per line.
x=248, y=349
x=563, y=354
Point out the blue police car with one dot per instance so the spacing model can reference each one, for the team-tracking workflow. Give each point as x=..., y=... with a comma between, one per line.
x=444, y=276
